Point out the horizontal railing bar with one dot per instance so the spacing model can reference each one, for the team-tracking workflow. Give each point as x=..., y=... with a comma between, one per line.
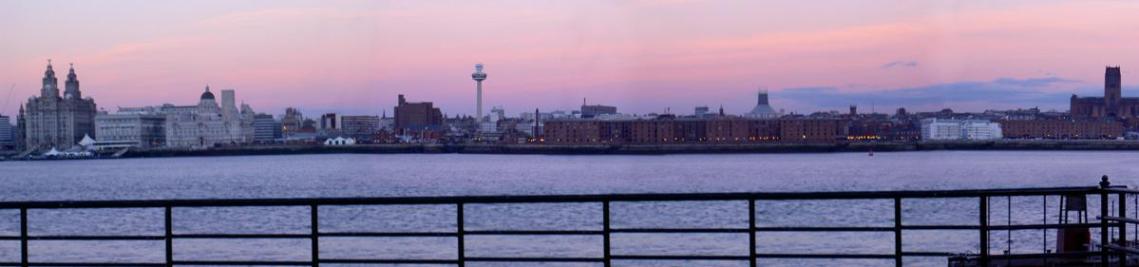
x=1044, y=226
x=388, y=234
x=532, y=259
x=93, y=264
x=1129, y=250
x=534, y=232
x=1118, y=219
x=96, y=237
x=290, y=263
x=680, y=257
x=823, y=229
x=1122, y=189
x=238, y=236
x=928, y=254
x=679, y=230
x=824, y=256
x=941, y=227
x=1049, y=255
x=389, y=261
x=548, y=198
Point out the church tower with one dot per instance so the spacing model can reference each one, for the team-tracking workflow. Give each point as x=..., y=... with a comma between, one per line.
x=1112, y=87
x=72, y=86
x=50, y=84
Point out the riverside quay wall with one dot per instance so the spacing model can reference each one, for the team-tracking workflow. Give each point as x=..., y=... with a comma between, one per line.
x=862, y=147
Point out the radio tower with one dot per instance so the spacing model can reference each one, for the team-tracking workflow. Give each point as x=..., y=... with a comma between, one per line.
x=478, y=76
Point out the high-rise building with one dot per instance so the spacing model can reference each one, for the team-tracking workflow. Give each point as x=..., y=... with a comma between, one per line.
x=7, y=133
x=328, y=121
x=266, y=129
x=478, y=76
x=1111, y=105
x=591, y=111
x=361, y=128
x=417, y=116
x=53, y=121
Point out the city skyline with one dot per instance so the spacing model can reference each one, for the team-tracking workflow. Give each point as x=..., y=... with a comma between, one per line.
x=642, y=56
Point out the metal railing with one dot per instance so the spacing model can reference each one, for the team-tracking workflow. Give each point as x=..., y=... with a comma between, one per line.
x=1114, y=250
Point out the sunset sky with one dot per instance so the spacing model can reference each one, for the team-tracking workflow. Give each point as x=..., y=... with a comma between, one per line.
x=354, y=57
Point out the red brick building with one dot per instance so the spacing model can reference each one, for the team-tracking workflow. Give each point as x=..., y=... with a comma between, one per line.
x=669, y=130
x=1061, y=129
x=417, y=116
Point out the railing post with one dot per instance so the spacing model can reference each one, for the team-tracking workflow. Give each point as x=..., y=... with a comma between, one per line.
x=315, y=232
x=169, y=229
x=984, y=220
x=751, y=230
x=1104, y=238
x=898, y=231
x=1122, y=228
x=24, y=237
x=607, y=257
x=459, y=231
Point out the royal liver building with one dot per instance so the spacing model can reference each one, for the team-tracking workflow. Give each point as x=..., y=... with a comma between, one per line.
x=53, y=121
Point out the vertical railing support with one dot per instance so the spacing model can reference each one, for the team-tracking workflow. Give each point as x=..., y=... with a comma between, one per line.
x=1104, y=238
x=1122, y=227
x=459, y=232
x=168, y=219
x=315, y=233
x=898, y=232
x=1103, y=225
x=984, y=220
x=24, y=237
x=751, y=233
x=607, y=256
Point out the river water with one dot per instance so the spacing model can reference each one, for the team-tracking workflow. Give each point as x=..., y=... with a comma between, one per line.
x=353, y=175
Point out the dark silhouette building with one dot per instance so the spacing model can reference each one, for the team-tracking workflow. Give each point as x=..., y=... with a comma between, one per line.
x=1111, y=105
x=417, y=116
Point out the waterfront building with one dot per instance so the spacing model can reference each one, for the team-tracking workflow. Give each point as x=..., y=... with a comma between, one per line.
x=1062, y=129
x=701, y=111
x=7, y=133
x=951, y=129
x=50, y=121
x=208, y=124
x=266, y=129
x=292, y=121
x=359, y=127
x=668, y=129
x=419, y=116
x=1111, y=105
x=131, y=128
x=328, y=121
x=762, y=109
x=592, y=111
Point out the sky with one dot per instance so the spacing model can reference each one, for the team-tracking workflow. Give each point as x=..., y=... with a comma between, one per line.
x=355, y=57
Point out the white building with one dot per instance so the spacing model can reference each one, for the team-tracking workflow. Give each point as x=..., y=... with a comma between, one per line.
x=131, y=128
x=949, y=129
x=206, y=124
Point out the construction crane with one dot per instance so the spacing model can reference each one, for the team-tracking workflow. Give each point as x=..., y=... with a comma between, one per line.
x=8, y=99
